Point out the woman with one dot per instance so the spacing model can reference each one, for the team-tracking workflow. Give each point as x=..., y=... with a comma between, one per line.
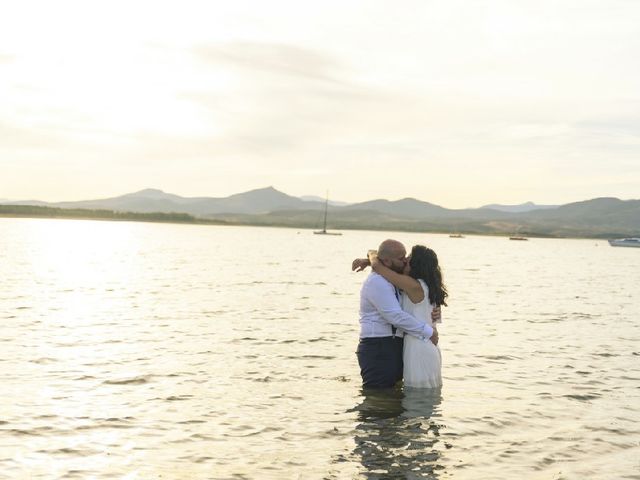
x=423, y=289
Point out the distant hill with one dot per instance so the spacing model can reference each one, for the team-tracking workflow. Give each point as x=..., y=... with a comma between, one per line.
x=407, y=207
x=150, y=200
x=263, y=200
x=314, y=198
x=523, y=207
x=600, y=217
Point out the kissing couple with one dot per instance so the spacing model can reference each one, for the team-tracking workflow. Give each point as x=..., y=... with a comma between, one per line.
x=399, y=308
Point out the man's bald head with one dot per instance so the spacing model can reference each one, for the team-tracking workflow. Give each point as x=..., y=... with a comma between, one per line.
x=392, y=254
x=390, y=248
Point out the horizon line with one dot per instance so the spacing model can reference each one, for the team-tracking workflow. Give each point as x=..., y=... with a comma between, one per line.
x=320, y=198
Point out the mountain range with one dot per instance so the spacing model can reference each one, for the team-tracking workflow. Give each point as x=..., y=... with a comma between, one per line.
x=599, y=217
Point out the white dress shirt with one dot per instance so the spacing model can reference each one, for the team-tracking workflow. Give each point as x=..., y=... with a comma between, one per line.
x=380, y=309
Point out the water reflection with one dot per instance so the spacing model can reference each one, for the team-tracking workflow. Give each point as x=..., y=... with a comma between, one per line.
x=398, y=434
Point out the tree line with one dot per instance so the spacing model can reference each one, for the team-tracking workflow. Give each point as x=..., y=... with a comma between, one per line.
x=84, y=213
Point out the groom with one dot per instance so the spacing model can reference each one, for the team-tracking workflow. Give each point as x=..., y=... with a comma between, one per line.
x=380, y=348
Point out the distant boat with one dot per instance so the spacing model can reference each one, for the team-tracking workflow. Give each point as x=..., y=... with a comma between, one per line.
x=456, y=235
x=516, y=236
x=625, y=242
x=324, y=225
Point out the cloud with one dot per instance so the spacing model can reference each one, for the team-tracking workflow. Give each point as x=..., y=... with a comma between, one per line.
x=283, y=99
x=13, y=136
x=276, y=59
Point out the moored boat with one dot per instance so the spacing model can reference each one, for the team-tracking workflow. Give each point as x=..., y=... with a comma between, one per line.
x=324, y=224
x=625, y=242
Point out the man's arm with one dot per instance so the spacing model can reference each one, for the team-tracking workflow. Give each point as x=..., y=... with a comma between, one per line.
x=384, y=300
x=436, y=314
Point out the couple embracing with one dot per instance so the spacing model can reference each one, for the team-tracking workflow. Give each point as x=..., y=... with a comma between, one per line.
x=399, y=307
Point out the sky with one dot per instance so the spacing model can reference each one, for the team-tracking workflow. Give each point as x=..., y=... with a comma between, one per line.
x=461, y=103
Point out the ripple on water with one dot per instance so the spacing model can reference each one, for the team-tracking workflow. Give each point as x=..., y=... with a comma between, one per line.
x=138, y=380
x=191, y=422
x=242, y=431
x=81, y=452
x=308, y=357
x=178, y=398
x=44, y=360
x=32, y=432
x=584, y=397
x=202, y=436
x=318, y=339
x=78, y=474
x=499, y=358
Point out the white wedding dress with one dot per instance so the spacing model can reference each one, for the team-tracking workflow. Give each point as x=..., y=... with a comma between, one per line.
x=422, y=359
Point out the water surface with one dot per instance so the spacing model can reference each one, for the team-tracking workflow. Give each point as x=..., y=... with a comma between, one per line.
x=134, y=350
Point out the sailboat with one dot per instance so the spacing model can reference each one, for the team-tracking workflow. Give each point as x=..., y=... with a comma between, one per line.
x=324, y=225
x=516, y=236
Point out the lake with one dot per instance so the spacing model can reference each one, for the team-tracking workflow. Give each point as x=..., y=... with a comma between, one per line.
x=149, y=351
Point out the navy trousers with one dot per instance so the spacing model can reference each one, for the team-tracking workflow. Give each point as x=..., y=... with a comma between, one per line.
x=380, y=361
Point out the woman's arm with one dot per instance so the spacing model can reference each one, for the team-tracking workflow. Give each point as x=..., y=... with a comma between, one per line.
x=360, y=264
x=404, y=282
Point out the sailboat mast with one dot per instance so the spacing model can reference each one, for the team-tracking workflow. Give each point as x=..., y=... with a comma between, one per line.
x=326, y=207
x=324, y=222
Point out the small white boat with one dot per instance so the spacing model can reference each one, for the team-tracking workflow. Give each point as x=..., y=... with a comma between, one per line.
x=625, y=242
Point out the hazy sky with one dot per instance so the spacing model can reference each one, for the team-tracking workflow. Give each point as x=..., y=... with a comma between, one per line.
x=455, y=102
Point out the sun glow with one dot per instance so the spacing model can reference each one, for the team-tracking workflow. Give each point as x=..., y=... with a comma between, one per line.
x=75, y=252
x=174, y=95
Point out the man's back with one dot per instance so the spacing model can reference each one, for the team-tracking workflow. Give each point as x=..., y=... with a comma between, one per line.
x=372, y=324
x=380, y=310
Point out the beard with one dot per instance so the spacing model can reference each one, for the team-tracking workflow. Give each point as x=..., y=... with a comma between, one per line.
x=397, y=269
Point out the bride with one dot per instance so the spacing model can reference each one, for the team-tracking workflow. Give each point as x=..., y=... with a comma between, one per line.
x=422, y=289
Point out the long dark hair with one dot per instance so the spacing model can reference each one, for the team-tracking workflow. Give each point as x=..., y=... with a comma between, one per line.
x=424, y=266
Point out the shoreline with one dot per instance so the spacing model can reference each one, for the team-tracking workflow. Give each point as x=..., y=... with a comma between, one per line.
x=38, y=212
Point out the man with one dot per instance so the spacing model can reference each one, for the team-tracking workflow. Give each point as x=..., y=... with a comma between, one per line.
x=380, y=346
